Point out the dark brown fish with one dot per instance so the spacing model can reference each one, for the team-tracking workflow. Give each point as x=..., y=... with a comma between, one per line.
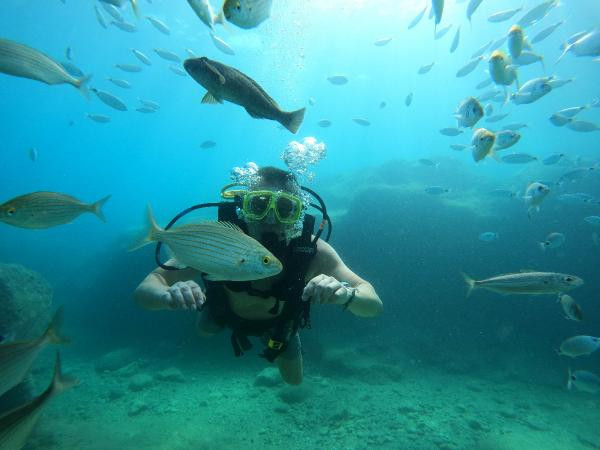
x=226, y=83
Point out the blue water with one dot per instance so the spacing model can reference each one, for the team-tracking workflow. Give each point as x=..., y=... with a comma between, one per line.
x=435, y=370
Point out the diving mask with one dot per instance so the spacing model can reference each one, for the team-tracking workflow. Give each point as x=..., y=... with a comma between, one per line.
x=257, y=204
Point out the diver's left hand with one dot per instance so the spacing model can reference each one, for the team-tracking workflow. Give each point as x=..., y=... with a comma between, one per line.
x=324, y=289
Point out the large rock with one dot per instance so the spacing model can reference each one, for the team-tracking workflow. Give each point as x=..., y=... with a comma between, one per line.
x=25, y=301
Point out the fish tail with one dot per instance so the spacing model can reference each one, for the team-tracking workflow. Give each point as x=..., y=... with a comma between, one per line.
x=61, y=382
x=136, y=8
x=543, y=64
x=52, y=333
x=81, y=84
x=96, y=208
x=292, y=120
x=151, y=236
x=470, y=283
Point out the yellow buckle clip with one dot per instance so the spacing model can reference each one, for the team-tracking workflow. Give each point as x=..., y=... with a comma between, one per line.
x=275, y=345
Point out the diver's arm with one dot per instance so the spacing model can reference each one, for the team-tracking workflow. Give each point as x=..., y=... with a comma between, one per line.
x=326, y=265
x=170, y=289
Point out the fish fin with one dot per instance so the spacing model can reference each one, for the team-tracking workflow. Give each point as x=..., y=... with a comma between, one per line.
x=151, y=236
x=527, y=270
x=232, y=226
x=211, y=99
x=470, y=283
x=569, y=382
x=210, y=277
x=253, y=114
x=292, y=120
x=61, y=382
x=52, y=333
x=543, y=247
x=81, y=84
x=214, y=70
x=96, y=208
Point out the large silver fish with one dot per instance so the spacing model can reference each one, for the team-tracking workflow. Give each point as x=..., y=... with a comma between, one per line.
x=528, y=283
x=17, y=357
x=226, y=83
x=119, y=3
x=47, y=209
x=20, y=60
x=16, y=425
x=220, y=250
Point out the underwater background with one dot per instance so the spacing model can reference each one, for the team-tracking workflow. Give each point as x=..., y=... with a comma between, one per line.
x=436, y=369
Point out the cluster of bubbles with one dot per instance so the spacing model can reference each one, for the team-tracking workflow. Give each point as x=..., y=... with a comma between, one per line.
x=245, y=176
x=299, y=156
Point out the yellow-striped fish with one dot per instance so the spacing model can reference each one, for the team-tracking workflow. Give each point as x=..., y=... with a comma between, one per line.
x=20, y=60
x=47, y=209
x=221, y=250
x=16, y=425
x=17, y=357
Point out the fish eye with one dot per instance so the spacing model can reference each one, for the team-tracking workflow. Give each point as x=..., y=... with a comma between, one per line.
x=540, y=188
x=266, y=260
x=238, y=6
x=569, y=279
x=10, y=211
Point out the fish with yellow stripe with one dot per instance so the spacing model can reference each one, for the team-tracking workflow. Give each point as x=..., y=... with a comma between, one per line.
x=47, y=209
x=221, y=250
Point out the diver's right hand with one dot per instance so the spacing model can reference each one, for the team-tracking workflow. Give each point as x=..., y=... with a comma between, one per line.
x=184, y=295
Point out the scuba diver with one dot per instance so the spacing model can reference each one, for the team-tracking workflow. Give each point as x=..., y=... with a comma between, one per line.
x=272, y=209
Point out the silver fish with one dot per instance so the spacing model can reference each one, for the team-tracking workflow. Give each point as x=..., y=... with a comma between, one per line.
x=222, y=45
x=125, y=26
x=458, y=147
x=588, y=45
x=325, y=123
x=546, y=32
x=437, y=9
x=109, y=99
x=131, y=68
x=17, y=357
x=219, y=249
x=121, y=83
x=485, y=83
x=382, y=42
x=537, y=13
x=362, y=122
x=113, y=11
x=436, y=190
x=159, y=25
x=553, y=240
x=584, y=381
x=583, y=126
x=205, y=13
x=469, y=112
x=100, y=17
x=17, y=424
x=20, y=60
x=528, y=283
x=208, y=144
x=579, y=346
x=559, y=120
x=469, y=67
x=424, y=69
x=570, y=307
x=496, y=118
x=413, y=23
x=442, y=32
x=338, y=80
x=177, y=71
x=145, y=110
x=100, y=118
x=553, y=159
x=455, y=41
x=481, y=50
x=142, y=57
x=408, y=100
x=515, y=126
x=472, y=7
x=504, y=15
x=72, y=69
x=451, y=131
x=518, y=158
x=166, y=54
x=149, y=103
x=506, y=139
